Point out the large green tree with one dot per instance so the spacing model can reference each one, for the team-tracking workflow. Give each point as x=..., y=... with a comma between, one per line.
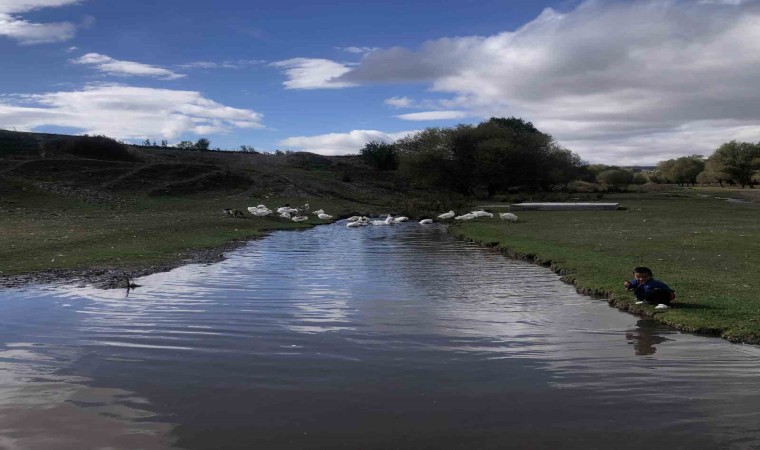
x=683, y=170
x=615, y=178
x=493, y=156
x=739, y=161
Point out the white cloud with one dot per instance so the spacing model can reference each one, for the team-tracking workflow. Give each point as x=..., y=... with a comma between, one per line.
x=399, y=102
x=603, y=77
x=341, y=143
x=241, y=63
x=206, y=65
x=721, y=2
x=127, y=112
x=112, y=66
x=306, y=73
x=358, y=50
x=22, y=6
x=435, y=115
x=29, y=33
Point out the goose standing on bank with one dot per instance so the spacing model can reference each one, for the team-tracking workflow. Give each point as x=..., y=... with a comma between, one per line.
x=447, y=215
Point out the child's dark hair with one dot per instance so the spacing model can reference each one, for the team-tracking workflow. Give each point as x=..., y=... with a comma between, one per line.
x=644, y=270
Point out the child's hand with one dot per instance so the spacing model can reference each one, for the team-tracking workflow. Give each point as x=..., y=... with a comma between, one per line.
x=627, y=284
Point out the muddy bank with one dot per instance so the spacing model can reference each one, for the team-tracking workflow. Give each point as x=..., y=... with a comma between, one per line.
x=116, y=277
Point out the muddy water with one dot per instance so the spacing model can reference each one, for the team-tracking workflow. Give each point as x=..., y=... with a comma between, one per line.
x=372, y=338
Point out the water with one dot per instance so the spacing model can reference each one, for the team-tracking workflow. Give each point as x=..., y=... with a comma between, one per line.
x=372, y=338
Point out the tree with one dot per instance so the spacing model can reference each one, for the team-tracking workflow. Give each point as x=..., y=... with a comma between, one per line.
x=146, y=142
x=202, y=144
x=738, y=161
x=497, y=155
x=714, y=173
x=380, y=155
x=425, y=157
x=164, y=143
x=683, y=170
x=186, y=145
x=616, y=178
x=247, y=149
x=639, y=178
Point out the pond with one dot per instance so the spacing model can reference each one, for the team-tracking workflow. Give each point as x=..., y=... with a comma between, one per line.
x=374, y=338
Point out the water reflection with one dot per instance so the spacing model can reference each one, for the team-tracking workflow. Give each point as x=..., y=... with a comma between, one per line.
x=42, y=408
x=645, y=336
x=402, y=335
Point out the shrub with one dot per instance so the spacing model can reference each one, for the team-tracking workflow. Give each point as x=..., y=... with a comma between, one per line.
x=95, y=147
x=380, y=155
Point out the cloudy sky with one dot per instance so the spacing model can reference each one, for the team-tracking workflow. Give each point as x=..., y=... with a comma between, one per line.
x=618, y=82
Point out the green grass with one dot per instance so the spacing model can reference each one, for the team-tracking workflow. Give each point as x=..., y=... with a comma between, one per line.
x=41, y=231
x=708, y=250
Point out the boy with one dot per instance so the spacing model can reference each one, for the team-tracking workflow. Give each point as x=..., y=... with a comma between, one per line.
x=648, y=289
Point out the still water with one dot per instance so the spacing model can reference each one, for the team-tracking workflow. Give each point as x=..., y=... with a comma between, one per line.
x=371, y=338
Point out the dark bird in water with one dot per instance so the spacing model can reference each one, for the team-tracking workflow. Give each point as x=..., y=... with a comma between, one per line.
x=130, y=285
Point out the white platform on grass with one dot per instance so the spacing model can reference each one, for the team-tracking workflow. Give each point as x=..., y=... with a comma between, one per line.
x=563, y=206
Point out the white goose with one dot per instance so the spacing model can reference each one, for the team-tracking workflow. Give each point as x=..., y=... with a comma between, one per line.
x=388, y=220
x=426, y=221
x=259, y=211
x=447, y=215
x=508, y=216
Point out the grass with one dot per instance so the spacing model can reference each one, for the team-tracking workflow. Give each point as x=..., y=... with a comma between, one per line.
x=42, y=231
x=707, y=249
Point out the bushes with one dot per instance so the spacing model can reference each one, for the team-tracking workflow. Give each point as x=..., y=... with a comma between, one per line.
x=380, y=155
x=95, y=147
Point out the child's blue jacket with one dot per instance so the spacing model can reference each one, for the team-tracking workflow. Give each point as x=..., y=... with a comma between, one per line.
x=643, y=291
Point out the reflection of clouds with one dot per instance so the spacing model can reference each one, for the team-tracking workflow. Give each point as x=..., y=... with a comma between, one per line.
x=324, y=308
x=41, y=409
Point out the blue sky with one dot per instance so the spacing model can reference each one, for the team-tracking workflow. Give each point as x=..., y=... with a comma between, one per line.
x=618, y=82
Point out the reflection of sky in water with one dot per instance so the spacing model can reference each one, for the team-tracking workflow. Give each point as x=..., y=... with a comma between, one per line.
x=341, y=317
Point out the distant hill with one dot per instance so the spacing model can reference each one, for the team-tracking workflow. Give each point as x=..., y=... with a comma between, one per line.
x=52, y=160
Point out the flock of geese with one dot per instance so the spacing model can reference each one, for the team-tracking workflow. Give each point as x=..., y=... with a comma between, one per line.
x=300, y=214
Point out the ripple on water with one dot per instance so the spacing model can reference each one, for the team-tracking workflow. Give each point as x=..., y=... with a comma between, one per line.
x=437, y=342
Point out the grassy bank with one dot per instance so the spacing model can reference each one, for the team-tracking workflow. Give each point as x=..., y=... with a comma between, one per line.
x=707, y=249
x=42, y=231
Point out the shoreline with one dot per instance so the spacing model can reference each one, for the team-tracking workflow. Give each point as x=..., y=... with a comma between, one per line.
x=610, y=297
x=116, y=277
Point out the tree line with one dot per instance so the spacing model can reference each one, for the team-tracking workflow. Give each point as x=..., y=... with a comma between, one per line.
x=510, y=154
x=498, y=155
x=733, y=163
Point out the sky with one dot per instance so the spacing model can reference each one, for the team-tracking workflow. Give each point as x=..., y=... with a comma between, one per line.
x=618, y=82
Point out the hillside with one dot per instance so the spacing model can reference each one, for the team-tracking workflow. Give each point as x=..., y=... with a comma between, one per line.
x=68, y=211
x=30, y=159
